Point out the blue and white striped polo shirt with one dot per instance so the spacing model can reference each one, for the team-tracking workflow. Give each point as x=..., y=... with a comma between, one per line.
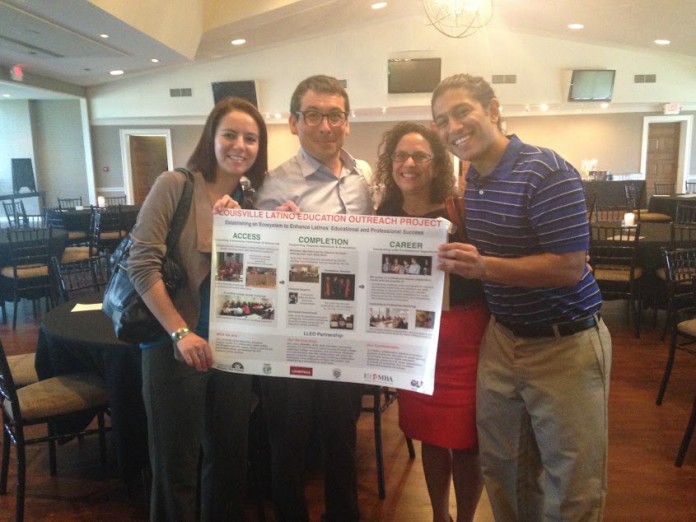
x=532, y=203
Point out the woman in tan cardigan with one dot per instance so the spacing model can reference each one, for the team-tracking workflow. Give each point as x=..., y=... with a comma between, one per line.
x=191, y=406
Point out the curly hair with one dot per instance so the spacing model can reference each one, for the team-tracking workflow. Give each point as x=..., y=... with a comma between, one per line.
x=443, y=180
x=203, y=157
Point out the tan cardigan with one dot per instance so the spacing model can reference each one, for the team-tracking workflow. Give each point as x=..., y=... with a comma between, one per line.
x=193, y=250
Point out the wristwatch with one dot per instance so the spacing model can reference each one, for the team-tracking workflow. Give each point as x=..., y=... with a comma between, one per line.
x=179, y=334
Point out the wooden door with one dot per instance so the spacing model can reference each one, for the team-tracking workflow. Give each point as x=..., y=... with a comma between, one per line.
x=148, y=160
x=662, y=162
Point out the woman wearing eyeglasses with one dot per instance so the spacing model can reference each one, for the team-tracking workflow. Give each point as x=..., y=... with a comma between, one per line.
x=417, y=175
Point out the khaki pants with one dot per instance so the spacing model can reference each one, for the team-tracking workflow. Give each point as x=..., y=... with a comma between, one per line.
x=542, y=423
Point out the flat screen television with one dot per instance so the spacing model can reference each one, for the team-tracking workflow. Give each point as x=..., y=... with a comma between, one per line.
x=408, y=75
x=591, y=85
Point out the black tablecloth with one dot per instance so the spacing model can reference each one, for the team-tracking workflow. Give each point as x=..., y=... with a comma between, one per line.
x=78, y=220
x=84, y=341
x=612, y=193
x=668, y=204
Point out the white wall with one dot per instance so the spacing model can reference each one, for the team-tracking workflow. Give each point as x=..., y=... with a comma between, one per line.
x=15, y=139
x=542, y=66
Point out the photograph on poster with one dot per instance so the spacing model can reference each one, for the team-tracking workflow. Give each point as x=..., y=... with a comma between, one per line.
x=338, y=286
x=260, y=277
x=304, y=273
x=425, y=319
x=386, y=317
x=341, y=321
x=229, y=267
x=246, y=307
x=406, y=265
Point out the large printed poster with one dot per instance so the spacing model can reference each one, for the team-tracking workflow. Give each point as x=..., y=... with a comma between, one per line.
x=327, y=296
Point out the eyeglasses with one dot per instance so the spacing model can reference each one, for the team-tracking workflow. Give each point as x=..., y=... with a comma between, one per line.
x=418, y=157
x=314, y=118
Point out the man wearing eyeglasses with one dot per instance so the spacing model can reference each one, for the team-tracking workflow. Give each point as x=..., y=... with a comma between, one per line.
x=323, y=178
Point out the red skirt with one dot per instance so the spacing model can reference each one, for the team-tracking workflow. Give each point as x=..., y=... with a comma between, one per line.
x=447, y=418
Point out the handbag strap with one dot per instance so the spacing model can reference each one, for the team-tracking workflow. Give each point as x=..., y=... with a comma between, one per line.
x=182, y=210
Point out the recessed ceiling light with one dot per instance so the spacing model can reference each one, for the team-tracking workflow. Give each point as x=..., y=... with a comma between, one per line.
x=379, y=5
x=6, y=95
x=117, y=72
x=238, y=41
x=154, y=60
x=103, y=35
x=543, y=107
x=660, y=41
x=576, y=27
x=604, y=105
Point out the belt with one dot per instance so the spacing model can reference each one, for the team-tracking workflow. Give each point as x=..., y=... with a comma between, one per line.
x=552, y=330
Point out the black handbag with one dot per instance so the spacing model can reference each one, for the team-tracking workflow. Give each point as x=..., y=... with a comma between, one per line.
x=133, y=322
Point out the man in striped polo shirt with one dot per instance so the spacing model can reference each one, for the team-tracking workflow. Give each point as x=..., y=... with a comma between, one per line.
x=543, y=377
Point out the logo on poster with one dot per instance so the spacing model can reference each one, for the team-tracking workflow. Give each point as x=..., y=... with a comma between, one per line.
x=267, y=368
x=237, y=367
x=337, y=373
x=301, y=370
x=378, y=377
x=416, y=384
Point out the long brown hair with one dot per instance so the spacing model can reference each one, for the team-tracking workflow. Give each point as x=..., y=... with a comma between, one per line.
x=203, y=157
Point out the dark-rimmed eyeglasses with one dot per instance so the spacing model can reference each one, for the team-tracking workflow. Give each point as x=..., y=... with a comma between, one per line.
x=418, y=157
x=314, y=118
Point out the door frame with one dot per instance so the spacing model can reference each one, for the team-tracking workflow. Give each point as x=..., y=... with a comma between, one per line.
x=685, y=140
x=125, y=135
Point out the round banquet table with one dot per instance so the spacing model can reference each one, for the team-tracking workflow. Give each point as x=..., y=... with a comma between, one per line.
x=85, y=341
x=78, y=219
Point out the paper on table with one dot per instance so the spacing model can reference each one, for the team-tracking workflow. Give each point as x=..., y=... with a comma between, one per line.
x=86, y=307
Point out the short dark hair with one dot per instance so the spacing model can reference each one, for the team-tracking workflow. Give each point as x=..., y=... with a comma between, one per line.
x=319, y=83
x=203, y=157
x=479, y=88
x=443, y=181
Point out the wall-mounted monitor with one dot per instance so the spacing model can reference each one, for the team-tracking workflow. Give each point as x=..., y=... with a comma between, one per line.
x=409, y=75
x=591, y=85
x=243, y=89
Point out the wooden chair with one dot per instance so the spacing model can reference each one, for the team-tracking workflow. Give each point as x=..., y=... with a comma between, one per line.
x=69, y=203
x=678, y=265
x=45, y=402
x=613, y=258
x=27, y=273
x=685, y=213
x=382, y=398
x=663, y=189
x=683, y=339
x=16, y=213
x=79, y=278
x=634, y=199
x=110, y=201
x=106, y=229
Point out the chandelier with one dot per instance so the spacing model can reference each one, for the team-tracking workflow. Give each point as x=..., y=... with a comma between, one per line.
x=458, y=18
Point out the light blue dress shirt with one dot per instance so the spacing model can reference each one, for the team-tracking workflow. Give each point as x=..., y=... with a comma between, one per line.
x=314, y=188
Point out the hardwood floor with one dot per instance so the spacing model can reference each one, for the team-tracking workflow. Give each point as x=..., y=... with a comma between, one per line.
x=644, y=484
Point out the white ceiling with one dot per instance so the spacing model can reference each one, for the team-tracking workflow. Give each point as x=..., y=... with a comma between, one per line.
x=59, y=39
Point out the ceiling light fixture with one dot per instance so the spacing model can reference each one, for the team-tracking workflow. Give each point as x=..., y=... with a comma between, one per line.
x=103, y=35
x=458, y=18
x=154, y=60
x=238, y=41
x=576, y=27
x=379, y=5
x=660, y=41
x=117, y=72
